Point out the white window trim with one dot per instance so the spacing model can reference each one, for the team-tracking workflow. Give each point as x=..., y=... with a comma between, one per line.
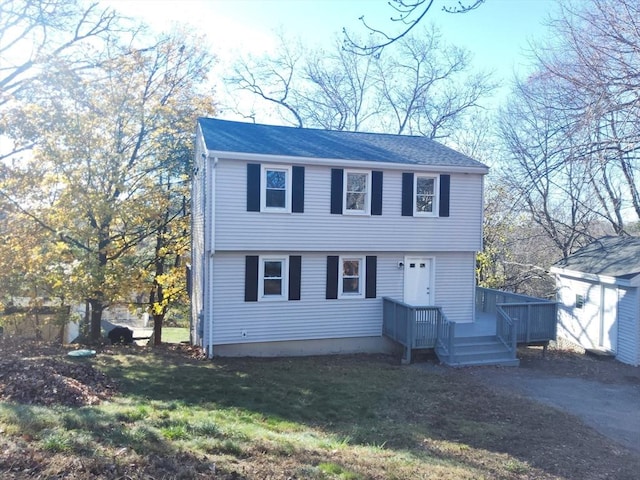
x=285, y=279
x=263, y=189
x=367, y=205
x=436, y=195
x=363, y=276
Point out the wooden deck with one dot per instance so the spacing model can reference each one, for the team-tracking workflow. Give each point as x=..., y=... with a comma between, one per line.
x=502, y=321
x=484, y=325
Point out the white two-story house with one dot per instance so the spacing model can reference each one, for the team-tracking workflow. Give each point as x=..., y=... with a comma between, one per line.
x=299, y=233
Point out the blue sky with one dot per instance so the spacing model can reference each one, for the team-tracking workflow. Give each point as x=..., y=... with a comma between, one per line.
x=497, y=33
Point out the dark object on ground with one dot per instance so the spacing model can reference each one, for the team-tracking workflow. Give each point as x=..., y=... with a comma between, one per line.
x=122, y=335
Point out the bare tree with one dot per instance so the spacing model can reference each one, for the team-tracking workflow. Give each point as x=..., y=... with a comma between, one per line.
x=595, y=64
x=340, y=90
x=272, y=79
x=424, y=88
x=427, y=86
x=408, y=14
x=544, y=165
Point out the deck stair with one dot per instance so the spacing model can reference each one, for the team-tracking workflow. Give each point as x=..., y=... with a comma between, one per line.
x=476, y=351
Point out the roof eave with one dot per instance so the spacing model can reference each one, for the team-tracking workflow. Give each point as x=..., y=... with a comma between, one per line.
x=267, y=158
x=593, y=277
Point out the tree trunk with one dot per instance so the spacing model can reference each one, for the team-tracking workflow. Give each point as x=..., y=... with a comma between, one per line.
x=157, y=329
x=95, y=333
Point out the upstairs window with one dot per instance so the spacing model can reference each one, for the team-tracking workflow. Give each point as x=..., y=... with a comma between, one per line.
x=276, y=195
x=277, y=188
x=356, y=192
x=425, y=197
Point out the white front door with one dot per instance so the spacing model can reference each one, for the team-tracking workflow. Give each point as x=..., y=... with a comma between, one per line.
x=417, y=281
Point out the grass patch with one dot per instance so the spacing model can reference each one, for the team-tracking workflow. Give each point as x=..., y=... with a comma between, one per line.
x=360, y=417
x=175, y=334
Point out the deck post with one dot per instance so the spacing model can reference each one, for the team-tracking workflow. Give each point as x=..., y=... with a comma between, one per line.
x=395, y=320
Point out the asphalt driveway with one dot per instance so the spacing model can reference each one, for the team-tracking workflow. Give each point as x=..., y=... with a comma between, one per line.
x=613, y=409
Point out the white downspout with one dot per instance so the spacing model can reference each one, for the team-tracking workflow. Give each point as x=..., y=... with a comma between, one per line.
x=211, y=248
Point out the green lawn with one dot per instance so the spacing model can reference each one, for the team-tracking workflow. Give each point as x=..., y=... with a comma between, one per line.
x=361, y=417
x=175, y=334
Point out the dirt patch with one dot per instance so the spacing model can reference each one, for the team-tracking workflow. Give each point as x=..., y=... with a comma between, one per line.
x=567, y=363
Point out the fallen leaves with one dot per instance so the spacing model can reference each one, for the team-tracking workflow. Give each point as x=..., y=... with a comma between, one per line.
x=42, y=374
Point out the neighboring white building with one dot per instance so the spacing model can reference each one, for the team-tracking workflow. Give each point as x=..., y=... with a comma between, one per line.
x=297, y=235
x=598, y=298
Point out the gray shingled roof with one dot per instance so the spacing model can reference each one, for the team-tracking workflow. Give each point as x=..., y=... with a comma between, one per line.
x=611, y=256
x=238, y=137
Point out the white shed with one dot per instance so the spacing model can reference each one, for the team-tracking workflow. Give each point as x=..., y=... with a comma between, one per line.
x=598, y=297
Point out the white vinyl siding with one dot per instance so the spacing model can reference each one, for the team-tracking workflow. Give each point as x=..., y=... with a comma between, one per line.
x=318, y=230
x=579, y=324
x=628, y=327
x=616, y=325
x=198, y=259
x=314, y=317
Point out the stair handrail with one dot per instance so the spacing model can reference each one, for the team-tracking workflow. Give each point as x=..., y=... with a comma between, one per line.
x=506, y=329
x=446, y=333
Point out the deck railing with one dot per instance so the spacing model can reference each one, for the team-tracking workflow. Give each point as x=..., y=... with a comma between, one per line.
x=415, y=327
x=506, y=329
x=535, y=318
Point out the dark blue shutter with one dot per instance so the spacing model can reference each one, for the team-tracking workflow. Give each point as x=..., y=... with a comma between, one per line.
x=297, y=190
x=295, y=274
x=376, y=193
x=251, y=278
x=332, y=277
x=445, y=193
x=337, y=180
x=407, y=194
x=253, y=187
x=372, y=270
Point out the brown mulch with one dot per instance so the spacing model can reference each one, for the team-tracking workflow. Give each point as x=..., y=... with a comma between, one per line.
x=43, y=374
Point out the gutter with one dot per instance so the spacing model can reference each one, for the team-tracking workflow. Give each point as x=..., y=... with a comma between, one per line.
x=417, y=167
